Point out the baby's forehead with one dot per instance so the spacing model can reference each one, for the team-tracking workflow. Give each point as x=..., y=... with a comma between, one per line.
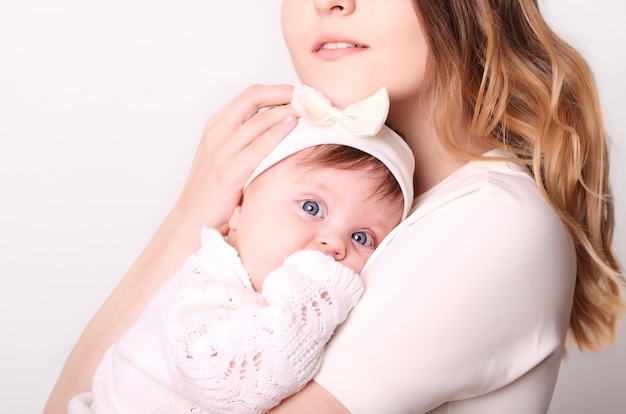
x=369, y=179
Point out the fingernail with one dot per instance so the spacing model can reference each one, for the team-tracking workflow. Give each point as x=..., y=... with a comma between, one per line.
x=288, y=119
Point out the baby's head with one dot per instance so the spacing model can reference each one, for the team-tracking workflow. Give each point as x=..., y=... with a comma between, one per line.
x=322, y=188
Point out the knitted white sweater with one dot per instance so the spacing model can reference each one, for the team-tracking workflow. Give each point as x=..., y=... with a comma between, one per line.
x=208, y=343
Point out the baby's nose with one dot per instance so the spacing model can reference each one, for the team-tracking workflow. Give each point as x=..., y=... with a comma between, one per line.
x=332, y=245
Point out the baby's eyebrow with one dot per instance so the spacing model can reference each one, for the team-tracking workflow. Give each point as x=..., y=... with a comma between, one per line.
x=379, y=227
x=316, y=183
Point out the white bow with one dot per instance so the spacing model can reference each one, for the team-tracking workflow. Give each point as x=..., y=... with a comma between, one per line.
x=364, y=118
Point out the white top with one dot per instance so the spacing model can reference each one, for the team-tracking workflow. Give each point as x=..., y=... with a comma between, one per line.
x=208, y=343
x=466, y=308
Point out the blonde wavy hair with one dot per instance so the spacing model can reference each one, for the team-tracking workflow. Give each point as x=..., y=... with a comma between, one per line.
x=528, y=92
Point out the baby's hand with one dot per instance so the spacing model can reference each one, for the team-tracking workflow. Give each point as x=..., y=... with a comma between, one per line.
x=320, y=279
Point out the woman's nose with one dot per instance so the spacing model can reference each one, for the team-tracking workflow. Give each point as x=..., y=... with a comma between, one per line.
x=335, y=6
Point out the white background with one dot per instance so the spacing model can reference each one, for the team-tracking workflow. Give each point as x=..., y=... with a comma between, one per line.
x=102, y=104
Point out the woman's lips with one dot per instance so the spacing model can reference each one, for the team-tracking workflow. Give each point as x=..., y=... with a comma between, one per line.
x=331, y=49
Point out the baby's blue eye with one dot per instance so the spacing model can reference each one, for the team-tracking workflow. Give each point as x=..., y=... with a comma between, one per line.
x=313, y=208
x=363, y=238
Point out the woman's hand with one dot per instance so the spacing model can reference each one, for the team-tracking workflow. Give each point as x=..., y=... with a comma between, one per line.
x=234, y=141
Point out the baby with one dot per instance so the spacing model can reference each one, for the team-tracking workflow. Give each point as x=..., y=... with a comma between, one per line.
x=244, y=323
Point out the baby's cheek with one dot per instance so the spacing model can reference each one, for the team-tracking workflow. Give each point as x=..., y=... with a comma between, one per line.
x=356, y=262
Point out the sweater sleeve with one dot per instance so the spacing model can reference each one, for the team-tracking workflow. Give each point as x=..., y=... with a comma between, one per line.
x=246, y=359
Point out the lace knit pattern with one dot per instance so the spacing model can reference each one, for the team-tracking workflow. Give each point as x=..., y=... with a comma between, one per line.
x=208, y=343
x=236, y=358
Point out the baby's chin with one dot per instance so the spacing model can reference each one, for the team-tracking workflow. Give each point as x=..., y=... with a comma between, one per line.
x=258, y=276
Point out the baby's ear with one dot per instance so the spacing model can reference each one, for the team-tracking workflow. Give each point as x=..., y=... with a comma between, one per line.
x=233, y=223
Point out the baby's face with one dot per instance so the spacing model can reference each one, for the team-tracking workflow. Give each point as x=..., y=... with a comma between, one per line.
x=288, y=208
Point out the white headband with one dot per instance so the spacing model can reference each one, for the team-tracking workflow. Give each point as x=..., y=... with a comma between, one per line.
x=375, y=138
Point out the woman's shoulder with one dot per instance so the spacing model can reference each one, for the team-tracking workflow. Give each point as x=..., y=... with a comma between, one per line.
x=489, y=182
x=483, y=206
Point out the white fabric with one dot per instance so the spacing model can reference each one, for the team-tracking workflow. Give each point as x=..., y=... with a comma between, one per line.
x=208, y=343
x=387, y=146
x=467, y=306
x=363, y=119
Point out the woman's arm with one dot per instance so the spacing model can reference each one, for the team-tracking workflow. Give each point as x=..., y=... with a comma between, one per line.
x=313, y=399
x=234, y=141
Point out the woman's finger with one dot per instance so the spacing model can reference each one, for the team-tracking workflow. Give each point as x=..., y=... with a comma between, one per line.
x=258, y=125
x=260, y=135
x=248, y=104
x=245, y=149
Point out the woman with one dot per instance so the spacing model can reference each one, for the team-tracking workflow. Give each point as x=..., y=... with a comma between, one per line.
x=467, y=307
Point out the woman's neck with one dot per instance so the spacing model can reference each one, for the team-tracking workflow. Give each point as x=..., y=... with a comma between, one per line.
x=433, y=161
